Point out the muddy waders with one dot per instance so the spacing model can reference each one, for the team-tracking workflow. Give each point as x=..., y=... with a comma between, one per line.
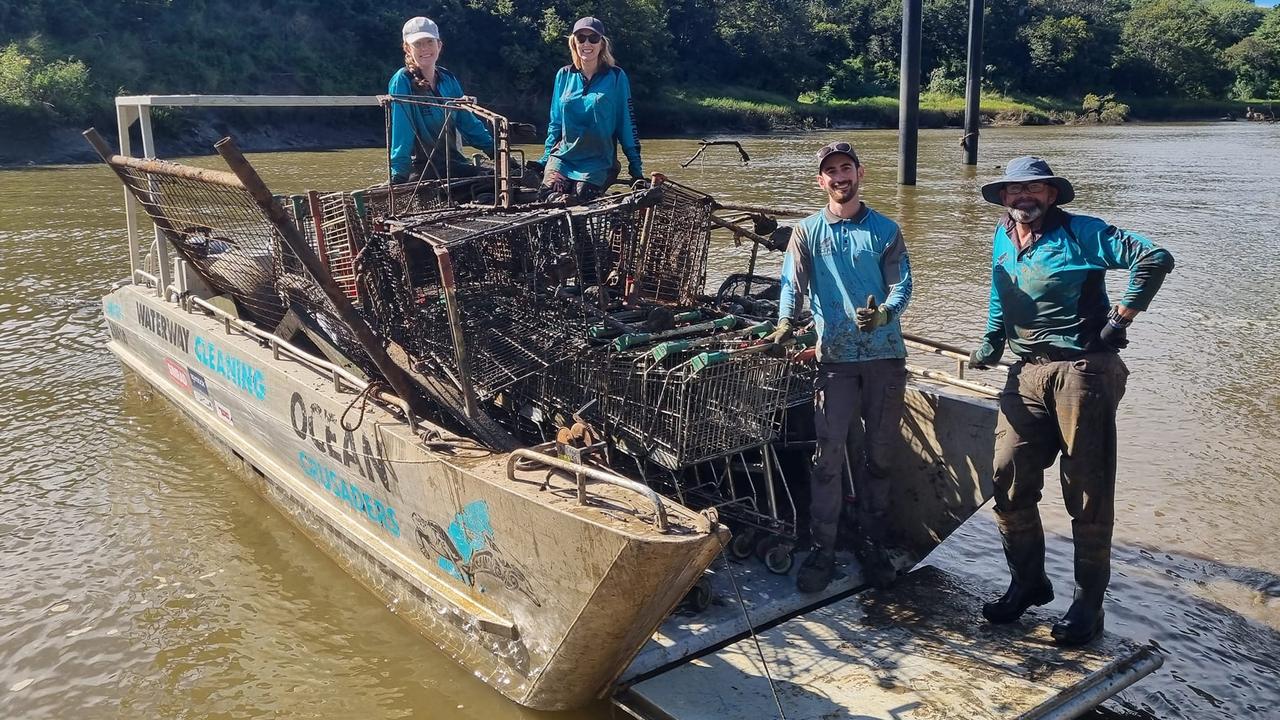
x=1023, y=539
x=1051, y=407
x=1083, y=621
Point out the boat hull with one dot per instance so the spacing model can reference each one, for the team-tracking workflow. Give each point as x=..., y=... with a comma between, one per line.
x=543, y=597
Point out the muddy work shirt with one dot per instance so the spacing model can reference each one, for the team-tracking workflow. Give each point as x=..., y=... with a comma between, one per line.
x=415, y=129
x=838, y=262
x=1049, y=300
x=589, y=119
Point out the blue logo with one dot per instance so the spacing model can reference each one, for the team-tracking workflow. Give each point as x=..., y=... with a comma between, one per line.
x=467, y=549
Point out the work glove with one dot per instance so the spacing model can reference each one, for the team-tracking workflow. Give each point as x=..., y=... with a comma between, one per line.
x=1115, y=333
x=984, y=357
x=535, y=165
x=872, y=316
x=781, y=333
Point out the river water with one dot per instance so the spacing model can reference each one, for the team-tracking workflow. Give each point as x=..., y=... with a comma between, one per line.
x=142, y=578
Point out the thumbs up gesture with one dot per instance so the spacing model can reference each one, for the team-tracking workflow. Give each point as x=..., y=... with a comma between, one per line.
x=872, y=316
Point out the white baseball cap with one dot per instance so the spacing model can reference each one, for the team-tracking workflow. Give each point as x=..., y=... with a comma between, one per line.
x=418, y=28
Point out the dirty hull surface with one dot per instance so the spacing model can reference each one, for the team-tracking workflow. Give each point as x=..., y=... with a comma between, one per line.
x=917, y=651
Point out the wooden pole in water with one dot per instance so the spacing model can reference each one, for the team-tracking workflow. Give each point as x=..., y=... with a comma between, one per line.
x=973, y=85
x=909, y=93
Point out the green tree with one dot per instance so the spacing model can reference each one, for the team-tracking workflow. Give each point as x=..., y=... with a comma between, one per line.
x=1171, y=46
x=1256, y=61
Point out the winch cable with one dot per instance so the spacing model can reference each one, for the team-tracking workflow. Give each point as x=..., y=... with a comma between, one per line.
x=777, y=699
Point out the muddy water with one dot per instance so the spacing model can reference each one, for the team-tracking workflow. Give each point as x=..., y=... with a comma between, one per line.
x=139, y=577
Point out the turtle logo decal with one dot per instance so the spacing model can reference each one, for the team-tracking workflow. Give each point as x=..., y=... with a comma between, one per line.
x=467, y=550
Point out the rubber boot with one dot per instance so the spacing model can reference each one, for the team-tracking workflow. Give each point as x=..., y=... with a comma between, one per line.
x=1084, y=619
x=817, y=571
x=869, y=546
x=1023, y=539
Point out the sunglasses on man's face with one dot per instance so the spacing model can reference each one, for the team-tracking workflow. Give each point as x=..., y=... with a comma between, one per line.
x=591, y=38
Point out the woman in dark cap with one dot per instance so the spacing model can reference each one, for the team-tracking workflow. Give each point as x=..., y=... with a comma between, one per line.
x=415, y=129
x=591, y=114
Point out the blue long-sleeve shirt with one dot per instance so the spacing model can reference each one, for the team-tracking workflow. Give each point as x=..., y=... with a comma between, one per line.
x=838, y=262
x=413, y=125
x=589, y=119
x=1050, y=298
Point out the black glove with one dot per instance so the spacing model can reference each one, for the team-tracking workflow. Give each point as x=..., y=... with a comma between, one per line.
x=535, y=166
x=872, y=316
x=1115, y=334
x=781, y=333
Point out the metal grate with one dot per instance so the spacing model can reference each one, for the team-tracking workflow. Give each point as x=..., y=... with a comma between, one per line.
x=493, y=285
x=689, y=405
x=669, y=264
x=216, y=226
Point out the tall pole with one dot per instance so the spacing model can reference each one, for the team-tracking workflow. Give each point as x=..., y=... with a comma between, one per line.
x=973, y=85
x=909, y=94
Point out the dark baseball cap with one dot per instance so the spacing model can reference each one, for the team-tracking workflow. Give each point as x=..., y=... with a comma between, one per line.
x=589, y=23
x=841, y=147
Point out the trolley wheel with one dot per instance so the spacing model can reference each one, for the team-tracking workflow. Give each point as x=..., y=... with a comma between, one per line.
x=743, y=544
x=765, y=543
x=699, y=596
x=780, y=559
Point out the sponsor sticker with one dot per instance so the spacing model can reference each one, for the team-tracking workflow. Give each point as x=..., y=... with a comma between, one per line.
x=224, y=412
x=178, y=374
x=200, y=389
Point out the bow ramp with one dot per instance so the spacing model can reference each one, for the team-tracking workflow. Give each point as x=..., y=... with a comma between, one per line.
x=918, y=650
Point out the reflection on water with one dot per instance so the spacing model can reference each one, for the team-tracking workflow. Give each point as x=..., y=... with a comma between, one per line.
x=144, y=579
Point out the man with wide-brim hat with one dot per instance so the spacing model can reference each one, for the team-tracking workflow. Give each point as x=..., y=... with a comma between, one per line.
x=1049, y=304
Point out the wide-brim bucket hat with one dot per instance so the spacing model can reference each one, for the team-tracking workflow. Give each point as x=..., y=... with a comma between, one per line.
x=1029, y=169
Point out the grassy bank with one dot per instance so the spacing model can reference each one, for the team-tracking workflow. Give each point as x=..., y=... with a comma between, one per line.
x=690, y=110
x=39, y=138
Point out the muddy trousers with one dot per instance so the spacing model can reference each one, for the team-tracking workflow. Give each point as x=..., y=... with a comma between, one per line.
x=857, y=408
x=1066, y=409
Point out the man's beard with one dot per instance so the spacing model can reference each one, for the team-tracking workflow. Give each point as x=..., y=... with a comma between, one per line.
x=844, y=194
x=1027, y=213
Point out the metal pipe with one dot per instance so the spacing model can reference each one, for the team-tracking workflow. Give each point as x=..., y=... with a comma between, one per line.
x=583, y=472
x=737, y=229
x=761, y=210
x=909, y=93
x=125, y=115
x=1082, y=697
x=938, y=347
x=953, y=380
x=973, y=84
x=445, y=263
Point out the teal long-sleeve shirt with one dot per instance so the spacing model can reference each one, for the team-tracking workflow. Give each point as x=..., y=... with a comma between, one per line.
x=838, y=262
x=1050, y=298
x=589, y=119
x=422, y=125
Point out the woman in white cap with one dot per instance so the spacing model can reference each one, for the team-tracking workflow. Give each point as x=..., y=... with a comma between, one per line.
x=591, y=114
x=422, y=137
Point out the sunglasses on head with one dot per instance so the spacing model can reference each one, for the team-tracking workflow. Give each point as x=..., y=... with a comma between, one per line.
x=591, y=38
x=839, y=147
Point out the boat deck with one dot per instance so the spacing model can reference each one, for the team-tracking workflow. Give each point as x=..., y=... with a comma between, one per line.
x=918, y=650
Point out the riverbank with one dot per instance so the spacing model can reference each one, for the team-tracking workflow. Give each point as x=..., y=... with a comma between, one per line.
x=671, y=113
